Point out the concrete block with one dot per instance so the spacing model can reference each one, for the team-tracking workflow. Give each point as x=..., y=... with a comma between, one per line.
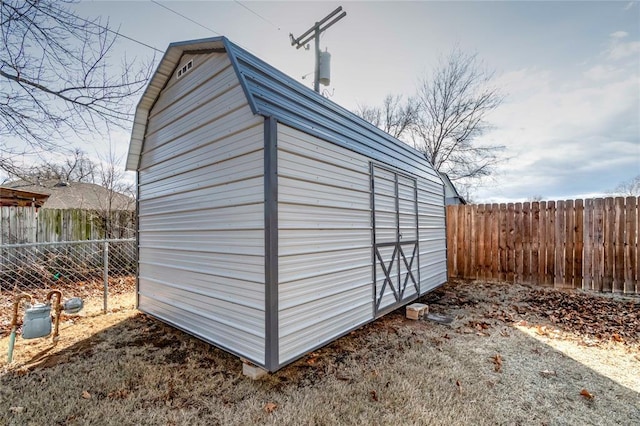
x=416, y=311
x=253, y=371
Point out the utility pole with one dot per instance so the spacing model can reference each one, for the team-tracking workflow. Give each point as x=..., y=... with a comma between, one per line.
x=313, y=33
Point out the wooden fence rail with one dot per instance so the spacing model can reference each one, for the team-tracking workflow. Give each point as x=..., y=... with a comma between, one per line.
x=590, y=244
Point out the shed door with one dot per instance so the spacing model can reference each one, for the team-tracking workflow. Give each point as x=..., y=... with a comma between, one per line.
x=395, y=225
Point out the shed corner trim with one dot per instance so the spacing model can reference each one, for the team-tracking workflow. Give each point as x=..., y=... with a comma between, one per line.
x=272, y=346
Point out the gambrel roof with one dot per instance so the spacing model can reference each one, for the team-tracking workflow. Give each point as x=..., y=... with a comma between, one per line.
x=271, y=93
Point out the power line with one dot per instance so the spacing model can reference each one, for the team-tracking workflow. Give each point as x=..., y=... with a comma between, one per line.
x=134, y=40
x=258, y=15
x=117, y=33
x=186, y=17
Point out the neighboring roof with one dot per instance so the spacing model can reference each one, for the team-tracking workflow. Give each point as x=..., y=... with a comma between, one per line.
x=75, y=195
x=271, y=93
x=450, y=190
x=17, y=197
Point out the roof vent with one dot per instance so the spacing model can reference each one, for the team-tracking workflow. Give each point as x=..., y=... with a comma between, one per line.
x=186, y=67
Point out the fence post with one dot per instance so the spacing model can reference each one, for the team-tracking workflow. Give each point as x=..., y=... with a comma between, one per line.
x=105, y=274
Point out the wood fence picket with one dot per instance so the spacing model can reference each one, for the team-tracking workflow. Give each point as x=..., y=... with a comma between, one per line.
x=590, y=244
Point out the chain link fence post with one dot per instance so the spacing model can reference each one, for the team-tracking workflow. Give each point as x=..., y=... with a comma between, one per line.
x=105, y=276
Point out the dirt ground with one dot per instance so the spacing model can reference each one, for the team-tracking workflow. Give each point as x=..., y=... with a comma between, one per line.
x=513, y=355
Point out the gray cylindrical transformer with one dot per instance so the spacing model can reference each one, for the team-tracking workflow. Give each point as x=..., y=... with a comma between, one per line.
x=325, y=68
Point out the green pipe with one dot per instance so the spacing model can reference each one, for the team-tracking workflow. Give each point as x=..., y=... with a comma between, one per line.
x=12, y=341
x=14, y=323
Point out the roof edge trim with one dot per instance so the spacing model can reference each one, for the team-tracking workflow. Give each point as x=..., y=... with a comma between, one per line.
x=229, y=47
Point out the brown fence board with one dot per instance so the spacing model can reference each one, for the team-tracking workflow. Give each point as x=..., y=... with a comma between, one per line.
x=502, y=242
x=510, y=243
x=475, y=241
x=590, y=244
x=637, y=246
x=550, y=242
x=569, y=239
x=598, y=244
x=619, y=227
x=631, y=268
x=587, y=265
x=609, y=248
x=481, y=241
x=560, y=244
x=526, y=242
x=578, y=244
x=542, y=243
x=495, y=256
x=518, y=231
x=452, y=230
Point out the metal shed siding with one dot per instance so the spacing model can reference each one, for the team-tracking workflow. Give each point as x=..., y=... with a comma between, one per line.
x=432, y=239
x=324, y=247
x=201, y=209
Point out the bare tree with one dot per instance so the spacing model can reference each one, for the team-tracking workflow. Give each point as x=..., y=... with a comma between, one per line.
x=533, y=198
x=77, y=167
x=629, y=187
x=453, y=106
x=396, y=116
x=115, y=210
x=56, y=78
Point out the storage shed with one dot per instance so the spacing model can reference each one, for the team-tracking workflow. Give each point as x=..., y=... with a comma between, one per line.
x=271, y=220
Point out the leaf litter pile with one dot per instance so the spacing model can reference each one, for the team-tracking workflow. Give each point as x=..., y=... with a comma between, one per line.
x=595, y=317
x=592, y=317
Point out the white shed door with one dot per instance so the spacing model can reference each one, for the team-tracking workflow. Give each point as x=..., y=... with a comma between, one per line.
x=395, y=225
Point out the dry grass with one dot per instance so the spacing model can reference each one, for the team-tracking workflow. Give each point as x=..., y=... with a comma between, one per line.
x=125, y=368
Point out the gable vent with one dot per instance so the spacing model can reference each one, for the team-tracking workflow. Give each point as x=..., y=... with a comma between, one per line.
x=186, y=67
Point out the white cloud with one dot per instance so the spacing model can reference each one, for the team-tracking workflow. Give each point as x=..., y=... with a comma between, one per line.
x=619, y=34
x=624, y=50
x=567, y=136
x=619, y=49
x=601, y=72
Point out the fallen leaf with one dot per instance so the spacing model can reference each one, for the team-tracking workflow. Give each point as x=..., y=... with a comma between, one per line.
x=270, y=407
x=497, y=361
x=16, y=409
x=548, y=373
x=313, y=357
x=616, y=337
x=374, y=395
x=86, y=395
x=586, y=394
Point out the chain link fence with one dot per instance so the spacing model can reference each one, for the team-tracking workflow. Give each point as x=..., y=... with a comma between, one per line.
x=69, y=264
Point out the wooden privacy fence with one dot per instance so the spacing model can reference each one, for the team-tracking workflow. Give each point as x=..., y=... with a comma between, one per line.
x=590, y=244
x=19, y=225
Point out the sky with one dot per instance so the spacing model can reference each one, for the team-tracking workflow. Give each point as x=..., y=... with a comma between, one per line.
x=570, y=71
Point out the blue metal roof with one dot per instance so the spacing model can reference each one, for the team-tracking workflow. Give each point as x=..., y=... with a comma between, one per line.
x=272, y=93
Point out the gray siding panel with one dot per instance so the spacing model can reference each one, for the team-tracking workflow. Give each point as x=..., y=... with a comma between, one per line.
x=432, y=240
x=201, y=207
x=324, y=263
x=227, y=336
